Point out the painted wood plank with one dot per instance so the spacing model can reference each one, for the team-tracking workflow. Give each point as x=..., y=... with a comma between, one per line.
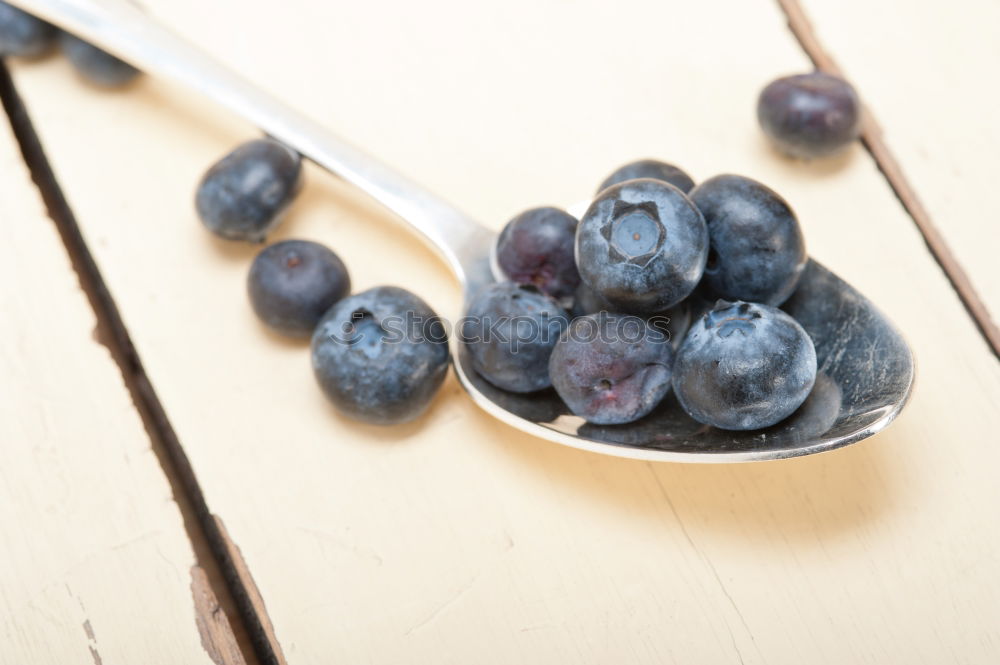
x=95, y=565
x=456, y=539
x=925, y=69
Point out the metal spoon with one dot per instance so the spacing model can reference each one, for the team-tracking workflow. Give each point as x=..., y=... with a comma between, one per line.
x=865, y=366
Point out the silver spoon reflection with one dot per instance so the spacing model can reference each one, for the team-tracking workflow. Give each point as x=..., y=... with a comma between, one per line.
x=865, y=366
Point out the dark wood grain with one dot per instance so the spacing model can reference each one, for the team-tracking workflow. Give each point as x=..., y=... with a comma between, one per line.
x=211, y=551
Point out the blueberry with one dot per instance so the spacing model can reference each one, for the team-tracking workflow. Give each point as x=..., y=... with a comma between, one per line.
x=244, y=195
x=293, y=283
x=611, y=368
x=642, y=246
x=810, y=115
x=509, y=331
x=744, y=366
x=22, y=34
x=757, y=250
x=94, y=65
x=536, y=247
x=381, y=355
x=649, y=168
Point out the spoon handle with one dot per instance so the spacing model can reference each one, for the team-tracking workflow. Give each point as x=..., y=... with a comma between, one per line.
x=123, y=29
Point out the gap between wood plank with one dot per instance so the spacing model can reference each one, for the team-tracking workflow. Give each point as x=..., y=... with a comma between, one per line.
x=215, y=553
x=871, y=138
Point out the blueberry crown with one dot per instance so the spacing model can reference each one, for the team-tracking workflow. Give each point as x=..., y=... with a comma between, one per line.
x=728, y=318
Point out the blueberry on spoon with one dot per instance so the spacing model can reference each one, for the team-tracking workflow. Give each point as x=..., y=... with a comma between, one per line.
x=744, y=366
x=757, y=250
x=611, y=369
x=536, y=248
x=642, y=246
x=649, y=168
x=509, y=331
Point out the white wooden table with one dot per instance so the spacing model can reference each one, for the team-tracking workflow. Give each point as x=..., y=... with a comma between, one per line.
x=457, y=539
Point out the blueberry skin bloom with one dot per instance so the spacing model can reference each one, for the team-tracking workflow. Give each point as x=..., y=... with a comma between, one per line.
x=810, y=115
x=611, y=368
x=293, y=283
x=244, y=195
x=744, y=366
x=649, y=168
x=642, y=246
x=22, y=34
x=96, y=66
x=509, y=331
x=757, y=250
x=381, y=355
x=537, y=247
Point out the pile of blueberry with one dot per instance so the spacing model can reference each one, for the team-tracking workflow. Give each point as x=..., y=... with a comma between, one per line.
x=662, y=285
x=612, y=311
x=23, y=35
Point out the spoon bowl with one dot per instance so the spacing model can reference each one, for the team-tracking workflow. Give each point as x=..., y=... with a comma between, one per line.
x=865, y=367
x=865, y=377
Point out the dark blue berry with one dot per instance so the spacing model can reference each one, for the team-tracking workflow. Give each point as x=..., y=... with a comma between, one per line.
x=245, y=194
x=642, y=246
x=810, y=115
x=381, y=355
x=293, y=283
x=757, y=250
x=536, y=247
x=611, y=368
x=509, y=331
x=22, y=34
x=744, y=366
x=649, y=168
x=94, y=65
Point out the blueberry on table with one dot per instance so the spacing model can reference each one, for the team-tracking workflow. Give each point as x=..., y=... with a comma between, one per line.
x=381, y=355
x=509, y=331
x=611, y=368
x=293, y=283
x=642, y=246
x=96, y=66
x=757, y=251
x=22, y=34
x=744, y=366
x=810, y=115
x=244, y=195
x=536, y=247
x=649, y=168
